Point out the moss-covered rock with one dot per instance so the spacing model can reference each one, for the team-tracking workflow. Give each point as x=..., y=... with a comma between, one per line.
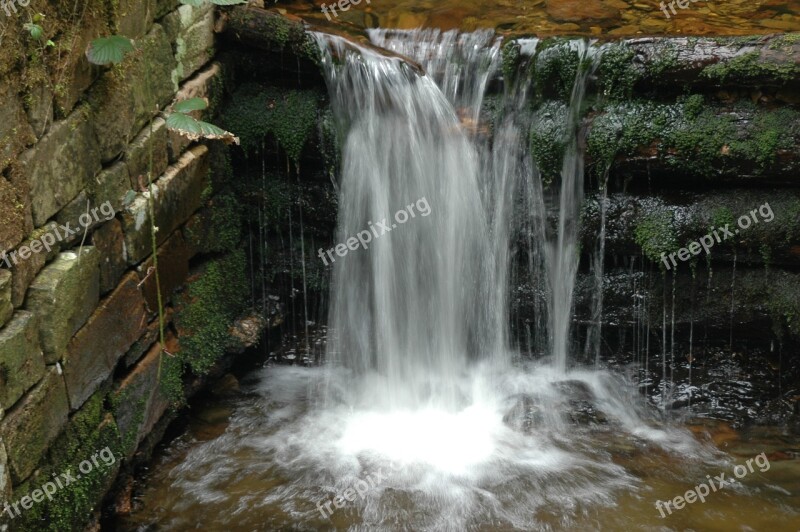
x=557, y=62
x=697, y=138
x=548, y=138
x=90, y=449
x=272, y=31
x=212, y=302
x=258, y=112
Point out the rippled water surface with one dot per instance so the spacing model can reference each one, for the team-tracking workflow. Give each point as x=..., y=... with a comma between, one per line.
x=269, y=456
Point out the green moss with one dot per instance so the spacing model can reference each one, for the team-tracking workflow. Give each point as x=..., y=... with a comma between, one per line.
x=698, y=139
x=694, y=137
x=226, y=224
x=626, y=129
x=89, y=431
x=208, y=309
x=288, y=116
x=511, y=55
x=783, y=305
x=666, y=60
x=557, y=63
x=721, y=217
x=656, y=234
x=171, y=381
x=548, y=139
x=750, y=67
x=285, y=34
x=770, y=133
x=617, y=73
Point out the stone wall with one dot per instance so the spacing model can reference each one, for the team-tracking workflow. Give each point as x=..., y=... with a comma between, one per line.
x=81, y=367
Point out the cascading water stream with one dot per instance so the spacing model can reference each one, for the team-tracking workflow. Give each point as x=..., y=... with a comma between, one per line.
x=420, y=388
x=407, y=310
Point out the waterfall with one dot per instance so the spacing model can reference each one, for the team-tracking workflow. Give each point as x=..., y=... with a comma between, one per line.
x=432, y=296
x=414, y=308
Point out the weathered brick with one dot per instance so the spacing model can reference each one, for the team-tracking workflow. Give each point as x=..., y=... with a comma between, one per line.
x=197, y=230
x=25, y=271
x=143, y=344
x=60, y=165
x=95, y=350
x=138, y=154
x=39, y=106
x=78, y=214
x=164, y=7
x=21, y=360
x=64, y=295
x=134, y=18
x=193, y=35
x=5, y=480
x=32, y=425
x=6, y=307
x=15, y=212
x=139, y=402
x=110, y=243
x=15, y=131
x=125, y=99
x=110, y=186
x=173, y=269
x=178, y=193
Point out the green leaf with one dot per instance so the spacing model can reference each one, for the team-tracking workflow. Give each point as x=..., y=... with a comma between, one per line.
x=196, y=129
x=192, y=104
x=106, y=50
x=49, y=43
x=35, y=30
x=193, y=3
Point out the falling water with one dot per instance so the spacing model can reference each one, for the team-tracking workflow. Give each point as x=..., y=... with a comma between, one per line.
x=419, y=382
x=411, y=310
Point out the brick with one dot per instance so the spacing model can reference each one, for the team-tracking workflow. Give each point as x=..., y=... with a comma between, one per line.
x=21, y=359
x=123, y=101
x=15, y=131
x=32, y=425
x=110, y=186
x=178, y=194
x=137, y=155
x=140, y=401
x=110, y=243
x=6, y=307
x=25, y=271
x=15, y=212
x=95, y=350
x=60, y=165
x=64, y=295
x=173, y=269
